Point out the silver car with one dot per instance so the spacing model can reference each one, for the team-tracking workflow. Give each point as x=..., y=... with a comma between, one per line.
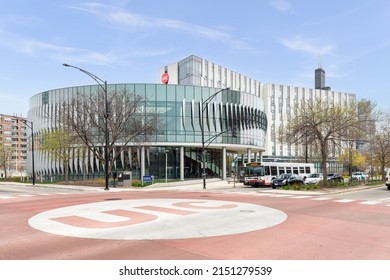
x=314, y=178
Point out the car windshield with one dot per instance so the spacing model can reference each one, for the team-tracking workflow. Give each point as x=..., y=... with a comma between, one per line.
x=283, y=176
x=315, y=175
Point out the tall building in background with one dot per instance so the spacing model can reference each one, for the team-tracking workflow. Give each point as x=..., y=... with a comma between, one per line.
x=280, y=101
x=13, y=146
x=319, y=79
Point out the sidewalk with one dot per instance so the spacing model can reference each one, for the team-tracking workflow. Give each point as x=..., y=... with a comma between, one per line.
x=197, y=185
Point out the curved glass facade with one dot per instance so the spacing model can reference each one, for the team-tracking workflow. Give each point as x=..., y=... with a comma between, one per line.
x=234, y=122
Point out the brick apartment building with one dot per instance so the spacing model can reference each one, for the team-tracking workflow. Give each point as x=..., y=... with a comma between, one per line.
x=13, y=146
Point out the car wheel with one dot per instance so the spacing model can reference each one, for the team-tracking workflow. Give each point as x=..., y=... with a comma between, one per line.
x=388, y=187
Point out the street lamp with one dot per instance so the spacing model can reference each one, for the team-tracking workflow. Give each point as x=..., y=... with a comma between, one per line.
x=166, y=151
x=204, y=106
x=31, y=126
x=103, y=85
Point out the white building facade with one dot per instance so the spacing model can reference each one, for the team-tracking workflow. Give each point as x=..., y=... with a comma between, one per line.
x=280, y=101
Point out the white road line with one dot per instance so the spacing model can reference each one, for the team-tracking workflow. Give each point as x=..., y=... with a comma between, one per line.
x=243, y=193
x=263, y=194
x=281, y=195
x=321, y=198
x=6, y=197
x=27, y=195
x=300, y=197
x=370, y=202
x=344, y=200
x=62, y=193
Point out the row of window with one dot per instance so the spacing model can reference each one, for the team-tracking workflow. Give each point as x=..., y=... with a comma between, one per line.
x=219, y=116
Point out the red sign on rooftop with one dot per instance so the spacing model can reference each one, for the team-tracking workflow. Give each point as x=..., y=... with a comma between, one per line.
x=165, y=78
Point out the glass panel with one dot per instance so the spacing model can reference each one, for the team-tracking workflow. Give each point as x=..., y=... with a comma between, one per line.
x=150, y=93
x=140, y=90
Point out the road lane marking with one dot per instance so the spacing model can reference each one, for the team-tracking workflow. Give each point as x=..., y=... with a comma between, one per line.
x=321, y=198
x=6, y=197
x=370, y=202
x=344, y=200
x=301, y=196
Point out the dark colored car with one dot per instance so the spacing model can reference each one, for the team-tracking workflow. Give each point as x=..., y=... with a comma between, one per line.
x=335, y=177
x=286, y=179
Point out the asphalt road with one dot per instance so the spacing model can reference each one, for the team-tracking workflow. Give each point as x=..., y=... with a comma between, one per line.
x=189, y=223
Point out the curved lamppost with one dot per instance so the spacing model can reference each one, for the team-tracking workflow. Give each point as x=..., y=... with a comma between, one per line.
x=204, y=106
x=103, y=85
x=31, y=126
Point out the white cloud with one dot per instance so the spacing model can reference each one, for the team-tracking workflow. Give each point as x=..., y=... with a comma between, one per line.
x=281, y=5
x=120, y=17
x=299, y=43
x=37, y=48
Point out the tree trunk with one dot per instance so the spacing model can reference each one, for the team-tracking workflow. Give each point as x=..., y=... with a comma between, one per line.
x=324, y=159
x=66, y=175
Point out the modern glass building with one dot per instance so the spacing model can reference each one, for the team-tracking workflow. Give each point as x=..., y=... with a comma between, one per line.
x=234, y=124
x=279, y=102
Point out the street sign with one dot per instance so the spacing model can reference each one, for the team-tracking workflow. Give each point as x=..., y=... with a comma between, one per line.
x=147, y=179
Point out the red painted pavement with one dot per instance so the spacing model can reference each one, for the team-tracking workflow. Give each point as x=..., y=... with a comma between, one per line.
x=318, y=230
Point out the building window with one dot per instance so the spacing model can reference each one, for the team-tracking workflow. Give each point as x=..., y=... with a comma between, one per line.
x=45, y=98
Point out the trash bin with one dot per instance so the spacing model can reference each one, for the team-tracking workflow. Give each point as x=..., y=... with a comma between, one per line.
x=127, y=178
x=120, y=179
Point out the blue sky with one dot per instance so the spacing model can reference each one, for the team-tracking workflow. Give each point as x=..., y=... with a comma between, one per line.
x=126, y=41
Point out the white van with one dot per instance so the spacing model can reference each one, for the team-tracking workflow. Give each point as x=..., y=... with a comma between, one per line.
x=388, y=179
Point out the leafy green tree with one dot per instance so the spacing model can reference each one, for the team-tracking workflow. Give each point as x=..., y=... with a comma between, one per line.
x=58, y=145
x=5, y=158
x=328, y=126
x=353, y=158
x=380, y=144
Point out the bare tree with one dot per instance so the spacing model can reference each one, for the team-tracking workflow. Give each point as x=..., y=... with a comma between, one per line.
x=131, y=120
x=5, y=158
x=380, y=145
x=327, y=126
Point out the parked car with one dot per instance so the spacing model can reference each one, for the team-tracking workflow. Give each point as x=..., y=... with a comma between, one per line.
x=359, y=176
x=335, y=177
x=286, y=179
x=388, y=179
x=314, y=178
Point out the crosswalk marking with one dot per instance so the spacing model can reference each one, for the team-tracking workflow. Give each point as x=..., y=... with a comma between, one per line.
x=62, y=193
x=6, y=197
x=321, y=198
x=370, y=202
x=272, y=195
x=344, y=200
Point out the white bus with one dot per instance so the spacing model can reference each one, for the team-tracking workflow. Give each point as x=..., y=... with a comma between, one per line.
x=261, y=174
